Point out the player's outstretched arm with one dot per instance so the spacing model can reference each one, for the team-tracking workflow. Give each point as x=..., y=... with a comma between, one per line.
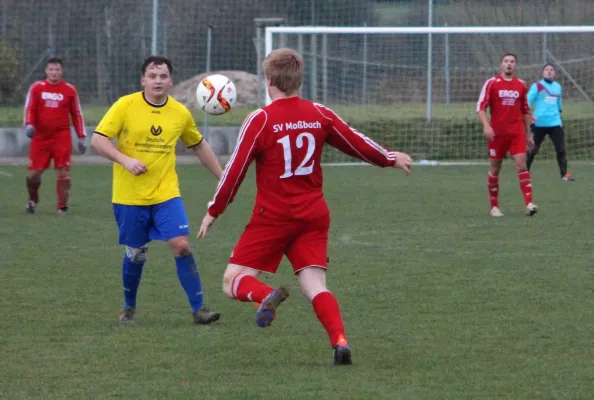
x=103, y=145
x=208, y=158
x=481, y=110
x=194, y=140
x=109, y=128
x=355, y=144
x=236, y=169
x=76, y=114
x=532, y=93
x=30, y=111
x=487, y=129
x=528, y=119
x=79, y=122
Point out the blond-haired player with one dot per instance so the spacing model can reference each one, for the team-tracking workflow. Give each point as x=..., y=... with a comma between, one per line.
x=290, y=216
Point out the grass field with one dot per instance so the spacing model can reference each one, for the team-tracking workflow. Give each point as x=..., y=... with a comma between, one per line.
x=13, y=116
x=440, y=300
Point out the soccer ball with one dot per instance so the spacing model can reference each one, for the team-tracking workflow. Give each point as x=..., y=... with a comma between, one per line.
x=216, y=94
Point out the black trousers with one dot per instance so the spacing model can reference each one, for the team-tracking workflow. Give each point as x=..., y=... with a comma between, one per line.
x=557, y=136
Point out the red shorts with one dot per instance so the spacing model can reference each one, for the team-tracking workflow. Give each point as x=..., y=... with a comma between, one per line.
x=501, y=145
x=43, y=149
x=265, y=240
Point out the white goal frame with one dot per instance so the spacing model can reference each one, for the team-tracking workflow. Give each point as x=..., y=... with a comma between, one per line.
x=272, y=42
x=383, y=30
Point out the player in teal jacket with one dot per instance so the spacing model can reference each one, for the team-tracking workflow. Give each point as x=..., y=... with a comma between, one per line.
x=546, y=96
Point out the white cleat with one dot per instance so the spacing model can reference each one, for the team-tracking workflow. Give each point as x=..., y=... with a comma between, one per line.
x=531, y=209
x=496, y=212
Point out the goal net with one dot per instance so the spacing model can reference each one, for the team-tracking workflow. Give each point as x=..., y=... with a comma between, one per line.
x=416, y=89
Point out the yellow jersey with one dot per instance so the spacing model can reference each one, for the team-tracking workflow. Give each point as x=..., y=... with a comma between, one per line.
x=148, y=133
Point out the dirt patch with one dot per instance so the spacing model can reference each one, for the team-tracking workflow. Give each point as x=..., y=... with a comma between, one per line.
x=245, y=83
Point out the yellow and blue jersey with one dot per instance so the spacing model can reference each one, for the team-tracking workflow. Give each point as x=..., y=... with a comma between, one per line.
x=148, y=133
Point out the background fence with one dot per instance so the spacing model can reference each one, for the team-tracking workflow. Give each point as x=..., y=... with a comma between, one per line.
x=103, y=43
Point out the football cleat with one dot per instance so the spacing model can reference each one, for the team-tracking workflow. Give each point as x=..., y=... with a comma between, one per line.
x=128, y=315
x=30, y=207
x=267, y=311
x=531, y=209
x=342, y=354
x=496, y=212
x=568, y=178
x=63, y=211
x=204, y=316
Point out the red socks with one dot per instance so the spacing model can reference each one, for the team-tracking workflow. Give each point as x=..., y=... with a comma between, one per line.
x=493, y=185
x=247, y=288
x=33, y=189
x=63, y=191
x=525, y=186
x=328, y=312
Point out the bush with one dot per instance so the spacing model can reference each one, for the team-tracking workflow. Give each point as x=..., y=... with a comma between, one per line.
x=9, y=72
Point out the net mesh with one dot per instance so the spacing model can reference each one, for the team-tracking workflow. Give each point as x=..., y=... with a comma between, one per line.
x=380, y=84
x=377, y=83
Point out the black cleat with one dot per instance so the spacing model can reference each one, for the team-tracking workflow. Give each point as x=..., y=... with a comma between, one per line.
x=342, y=355
x=30, y=208
x=531, y=209
x=267, y=311
x=63, y=211
x=204, y=316
x=128, y=315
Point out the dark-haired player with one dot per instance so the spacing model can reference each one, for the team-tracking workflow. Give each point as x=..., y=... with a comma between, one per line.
x=146, y=197
x=49, y=106
x=508, y=130
x=547, y=97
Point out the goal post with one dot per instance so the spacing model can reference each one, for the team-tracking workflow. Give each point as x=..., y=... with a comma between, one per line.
x=419, y=95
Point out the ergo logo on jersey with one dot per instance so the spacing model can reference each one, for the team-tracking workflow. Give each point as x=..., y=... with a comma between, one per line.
x=514, y=94
x=52, y=96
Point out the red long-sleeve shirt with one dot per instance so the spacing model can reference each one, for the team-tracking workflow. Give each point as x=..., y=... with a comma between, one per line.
x=286, y=140
x=49, y=107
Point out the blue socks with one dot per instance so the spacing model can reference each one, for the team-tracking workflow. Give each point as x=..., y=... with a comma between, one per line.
x=189, y=277
x=187, y=272
x=131, y=274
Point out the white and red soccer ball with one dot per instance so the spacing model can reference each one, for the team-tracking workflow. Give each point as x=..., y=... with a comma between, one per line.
x=216, y=94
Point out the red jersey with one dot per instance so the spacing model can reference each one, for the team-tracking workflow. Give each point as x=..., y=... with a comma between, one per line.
x=286, y=140
x=49, y=107
x=507, y=100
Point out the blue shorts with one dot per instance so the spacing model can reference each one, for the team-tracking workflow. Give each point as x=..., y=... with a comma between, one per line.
x=138, y=225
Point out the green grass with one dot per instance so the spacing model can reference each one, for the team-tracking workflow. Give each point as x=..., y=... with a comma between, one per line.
x=13, y=116
x=440, y=300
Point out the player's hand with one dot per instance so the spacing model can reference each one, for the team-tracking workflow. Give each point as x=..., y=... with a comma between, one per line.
x=82, y=147
x=530, y=141
x=207, y=222
x=489, y=133
x=403, y=161
x=29, y=131
x=134, y=166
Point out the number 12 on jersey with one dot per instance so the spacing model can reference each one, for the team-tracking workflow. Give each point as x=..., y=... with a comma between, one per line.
x=303, y=168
